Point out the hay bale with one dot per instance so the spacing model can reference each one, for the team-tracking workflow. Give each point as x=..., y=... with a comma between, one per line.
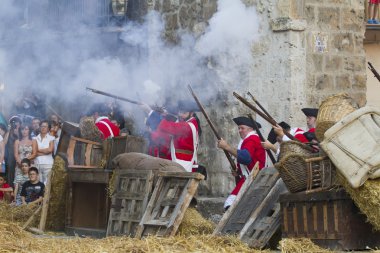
x=57, y=203
x=14, y=239
x=88, y=129
x=300, y=245
x=367, y=198
x=16, y=214
x=193, y=223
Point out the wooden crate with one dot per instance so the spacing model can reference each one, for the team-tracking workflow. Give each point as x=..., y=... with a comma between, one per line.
x=169, y=201
x=122, y=144
x=68, y=129
x=87, y=204
x=83, y=153
x=132, y=192
x=329, y=218
x=255, y=215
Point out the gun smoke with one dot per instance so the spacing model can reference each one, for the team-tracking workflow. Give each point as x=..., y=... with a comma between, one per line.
x=58, y=62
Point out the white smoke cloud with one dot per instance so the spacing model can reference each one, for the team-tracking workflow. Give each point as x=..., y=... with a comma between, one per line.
x=62, y=60
x=228, y=39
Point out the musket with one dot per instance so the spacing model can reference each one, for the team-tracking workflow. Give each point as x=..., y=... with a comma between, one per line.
x=256, y=127
x=374, y=71
x=114, y=96
x=259, y=105
x=229, y=158
x=154, y=108
x=263, y=115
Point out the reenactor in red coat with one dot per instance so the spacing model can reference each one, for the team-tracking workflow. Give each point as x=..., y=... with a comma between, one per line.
x=177, y=140
x=248, y=152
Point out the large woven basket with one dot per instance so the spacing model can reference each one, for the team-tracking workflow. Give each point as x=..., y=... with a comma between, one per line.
x=300, y=173
x=294, y=147
x=332, y=110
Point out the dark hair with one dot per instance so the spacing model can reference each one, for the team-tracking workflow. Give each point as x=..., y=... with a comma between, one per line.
x=25, y=160
x=3, y=127
x=45, y=121
x=33, y=169
x=22, y=127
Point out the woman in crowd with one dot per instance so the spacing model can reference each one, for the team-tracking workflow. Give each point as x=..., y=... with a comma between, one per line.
x=3, y=131
x=23, y=147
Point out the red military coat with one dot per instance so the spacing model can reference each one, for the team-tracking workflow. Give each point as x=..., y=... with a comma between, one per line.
x=251, y=143
x=107, y=128
x=182, y=136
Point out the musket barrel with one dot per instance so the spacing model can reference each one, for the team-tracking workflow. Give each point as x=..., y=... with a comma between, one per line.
x=263, y=115
x=229, y=158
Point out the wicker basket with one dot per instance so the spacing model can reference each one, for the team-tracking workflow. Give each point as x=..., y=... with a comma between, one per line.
x=294, y=147
x=332, y=110
x=300, y=173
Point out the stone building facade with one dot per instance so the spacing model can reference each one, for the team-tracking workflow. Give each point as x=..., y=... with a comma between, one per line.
x=307, y=51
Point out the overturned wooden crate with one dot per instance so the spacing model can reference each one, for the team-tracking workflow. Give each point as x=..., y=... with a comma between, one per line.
x=129, y=201
x=329, y=218
x=170, y=199
x=255, y=214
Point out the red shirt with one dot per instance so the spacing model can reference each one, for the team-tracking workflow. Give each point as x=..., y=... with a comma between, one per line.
x=107, y=128
x=5, y=185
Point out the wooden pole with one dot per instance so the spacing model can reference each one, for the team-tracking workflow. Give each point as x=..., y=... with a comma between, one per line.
x=45, y=203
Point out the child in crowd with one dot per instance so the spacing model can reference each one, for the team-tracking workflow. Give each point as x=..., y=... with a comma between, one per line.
x=32, y=190
x=5, y=190
x=21, y=179
x=373, y=6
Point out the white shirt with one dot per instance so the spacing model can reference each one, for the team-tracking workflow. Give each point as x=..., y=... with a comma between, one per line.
x=42, y=144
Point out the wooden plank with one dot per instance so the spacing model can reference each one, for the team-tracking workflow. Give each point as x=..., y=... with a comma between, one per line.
x=197, y=176
x=70, y=152
x=253, y=191
x=265, y=219
x=88, y=154
x=31, y=218
x=129, y=202
x=161, y=218
x=45, y=203
x=85, y=141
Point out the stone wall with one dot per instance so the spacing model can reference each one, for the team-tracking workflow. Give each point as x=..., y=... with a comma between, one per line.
x=339, y=63
x=307, y=51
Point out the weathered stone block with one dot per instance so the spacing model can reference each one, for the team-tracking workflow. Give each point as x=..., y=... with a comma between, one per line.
x=342, y=82
x=360, y=82
x=333, y=63
x=328, y=18
x=355, y=63
x=352, y=19
x=317, y=60
x=324, y=81
x=343, y=42
x=285, y=24
x=310, y=15
x=171, y=21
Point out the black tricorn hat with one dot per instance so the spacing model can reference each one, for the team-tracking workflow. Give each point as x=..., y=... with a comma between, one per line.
x=310, y=112
x=246, y=121
x=187, y=106
x=272, y=135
